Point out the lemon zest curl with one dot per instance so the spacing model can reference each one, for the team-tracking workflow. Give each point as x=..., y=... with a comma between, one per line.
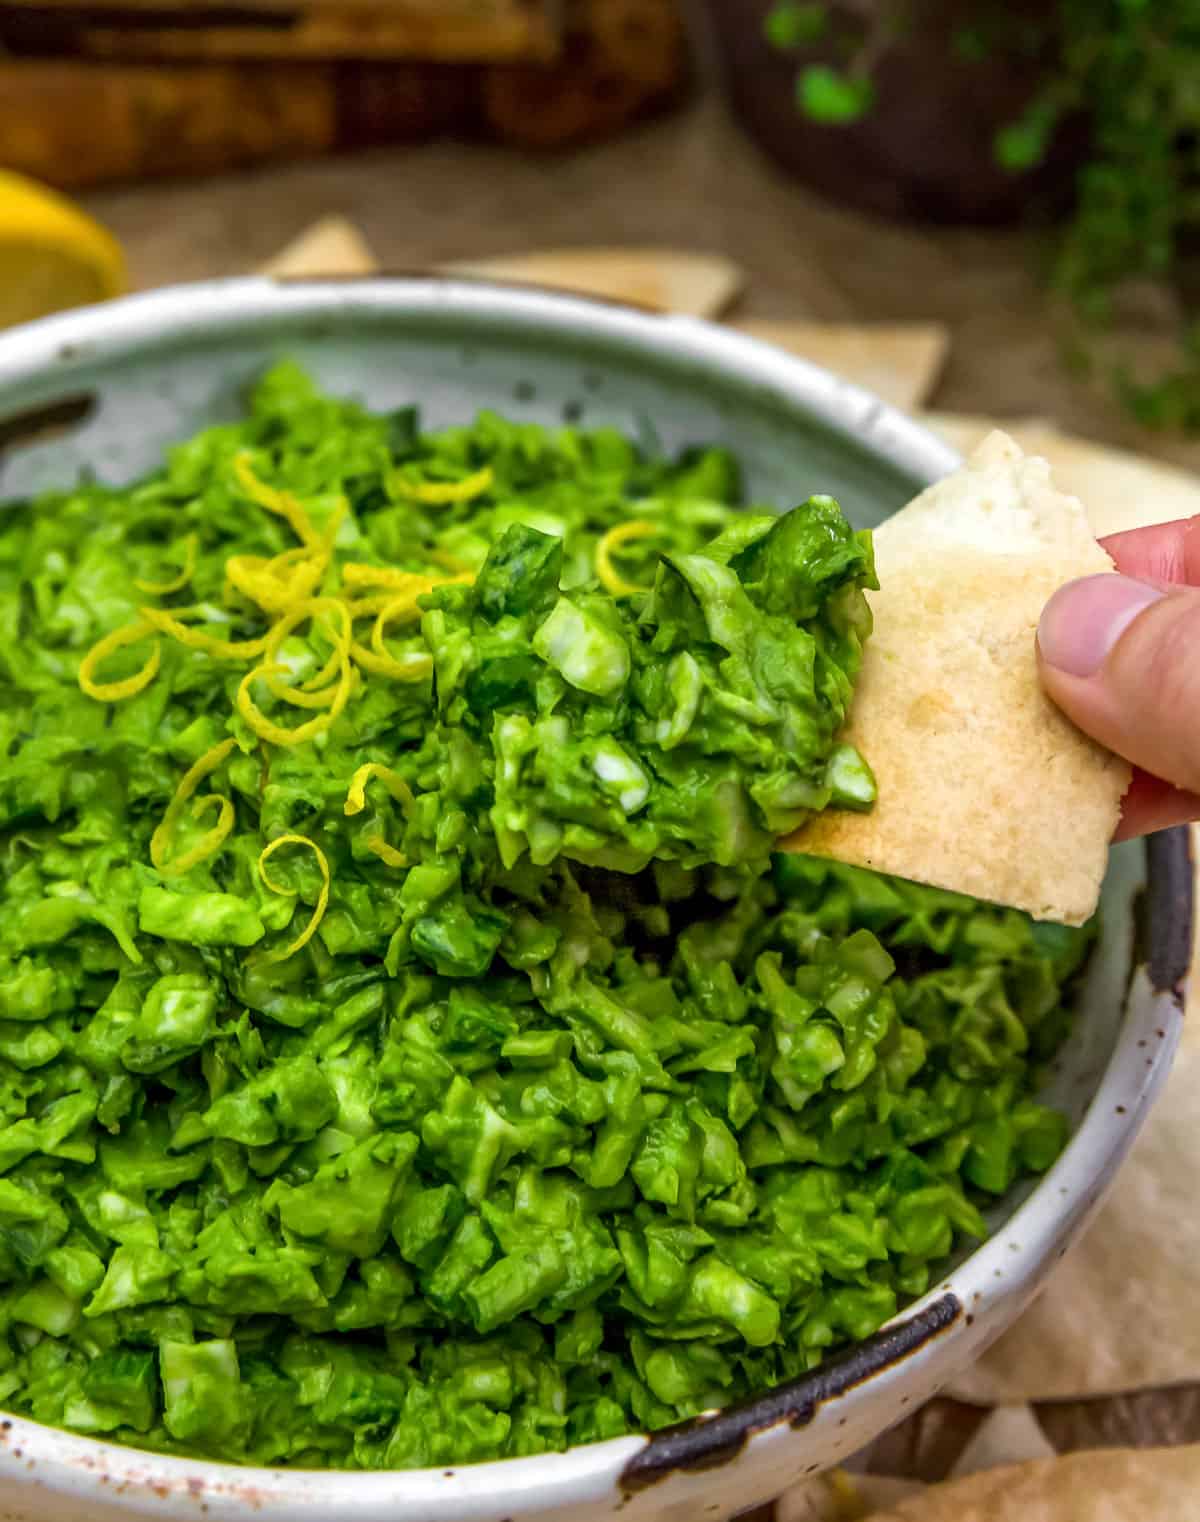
x=616, y=538
x=210, y=842
x=441, y=493
x=163, y=588
x=130, y=686
x=164, y=834
x=318, y=913
x=356, y=799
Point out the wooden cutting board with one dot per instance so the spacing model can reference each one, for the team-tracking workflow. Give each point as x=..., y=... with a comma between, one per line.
x=75, y=124
x=449, y=31
x=164, y=102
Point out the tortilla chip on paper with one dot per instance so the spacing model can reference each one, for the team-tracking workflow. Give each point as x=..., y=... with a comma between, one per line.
x=1105, y=1485
x=1120, y=1311
x=667, y=280
x=331, y=247
x=840, y=1497
x=985, y=787
x=1008, y=1435
x=898, y=361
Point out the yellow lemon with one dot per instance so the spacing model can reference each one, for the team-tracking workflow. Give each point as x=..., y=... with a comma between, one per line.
x=52, y=256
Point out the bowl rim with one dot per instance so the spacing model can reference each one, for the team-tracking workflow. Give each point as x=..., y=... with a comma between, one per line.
x=46, y=356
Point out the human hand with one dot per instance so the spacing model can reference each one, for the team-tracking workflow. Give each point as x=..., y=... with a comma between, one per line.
x=1120, y=655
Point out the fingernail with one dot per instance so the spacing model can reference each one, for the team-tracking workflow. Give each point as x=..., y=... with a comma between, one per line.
x=1084, y=620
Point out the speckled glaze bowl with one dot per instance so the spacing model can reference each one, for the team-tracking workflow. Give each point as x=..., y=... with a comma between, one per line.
x=107, y=388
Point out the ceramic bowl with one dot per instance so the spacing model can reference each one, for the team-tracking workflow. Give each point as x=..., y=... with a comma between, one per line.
x=105, y=389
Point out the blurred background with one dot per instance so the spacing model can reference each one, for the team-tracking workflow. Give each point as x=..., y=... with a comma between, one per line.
x=1017, y=176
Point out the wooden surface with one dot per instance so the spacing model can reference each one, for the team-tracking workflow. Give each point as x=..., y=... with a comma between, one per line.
x=442, y=30
x=74, y=124
x=77, y=122
x=690, y=181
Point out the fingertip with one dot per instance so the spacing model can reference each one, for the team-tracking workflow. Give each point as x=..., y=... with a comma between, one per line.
x=1085, y=618
x=1150, y=804
x=1166, y=553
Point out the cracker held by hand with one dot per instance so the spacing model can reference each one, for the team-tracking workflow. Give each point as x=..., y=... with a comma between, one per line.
x=985, y=787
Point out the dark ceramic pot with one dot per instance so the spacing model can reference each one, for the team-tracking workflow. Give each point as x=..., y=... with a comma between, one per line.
x=925, y=149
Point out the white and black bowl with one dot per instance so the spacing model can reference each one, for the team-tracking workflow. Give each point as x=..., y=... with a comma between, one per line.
x=105, y=389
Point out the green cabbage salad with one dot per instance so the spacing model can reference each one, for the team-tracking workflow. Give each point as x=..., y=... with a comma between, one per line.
x=411, y=1050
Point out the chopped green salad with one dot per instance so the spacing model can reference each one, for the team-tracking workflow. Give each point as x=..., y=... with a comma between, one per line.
x=410, y=1050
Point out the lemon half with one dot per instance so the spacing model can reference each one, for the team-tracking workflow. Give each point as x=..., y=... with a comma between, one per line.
x=52, y=256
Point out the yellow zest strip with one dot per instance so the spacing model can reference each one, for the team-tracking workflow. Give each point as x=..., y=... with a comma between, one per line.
x=356, y=575
x=341, y=645
x=415, y=669
x=451, y=562
x=160, y=841
x=210, y=842
x=340, y=508
x=399, y=608
x=402, y=607
x=400, y=582
x=615, y=539
x=297, y=696
x=162, y=588
x=386, y=853
x=356, y=798
x=366, y=607
x=346, y=679
x=300, y=613
x=130, y=686
x=281, y=503
x=439, y=492
x=277, y=583
x=267, y=729
x=309, y=930
x=222, y=649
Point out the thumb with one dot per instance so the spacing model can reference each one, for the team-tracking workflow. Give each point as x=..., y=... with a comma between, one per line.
x=1122, y=659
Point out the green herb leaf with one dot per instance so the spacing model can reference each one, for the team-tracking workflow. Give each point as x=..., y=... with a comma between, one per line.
x=833, y=98
x=794, y=23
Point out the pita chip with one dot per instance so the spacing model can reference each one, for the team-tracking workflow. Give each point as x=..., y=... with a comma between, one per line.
x=1122, y=490
x=899, y=362
x=985, y=787
x=1120, y=1311
x=1008, y=1435
x=667, y=280
x=1119, y=490
x=842, y=1497
x=331, y=247
x=965, y=431
x=1105, y=1485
